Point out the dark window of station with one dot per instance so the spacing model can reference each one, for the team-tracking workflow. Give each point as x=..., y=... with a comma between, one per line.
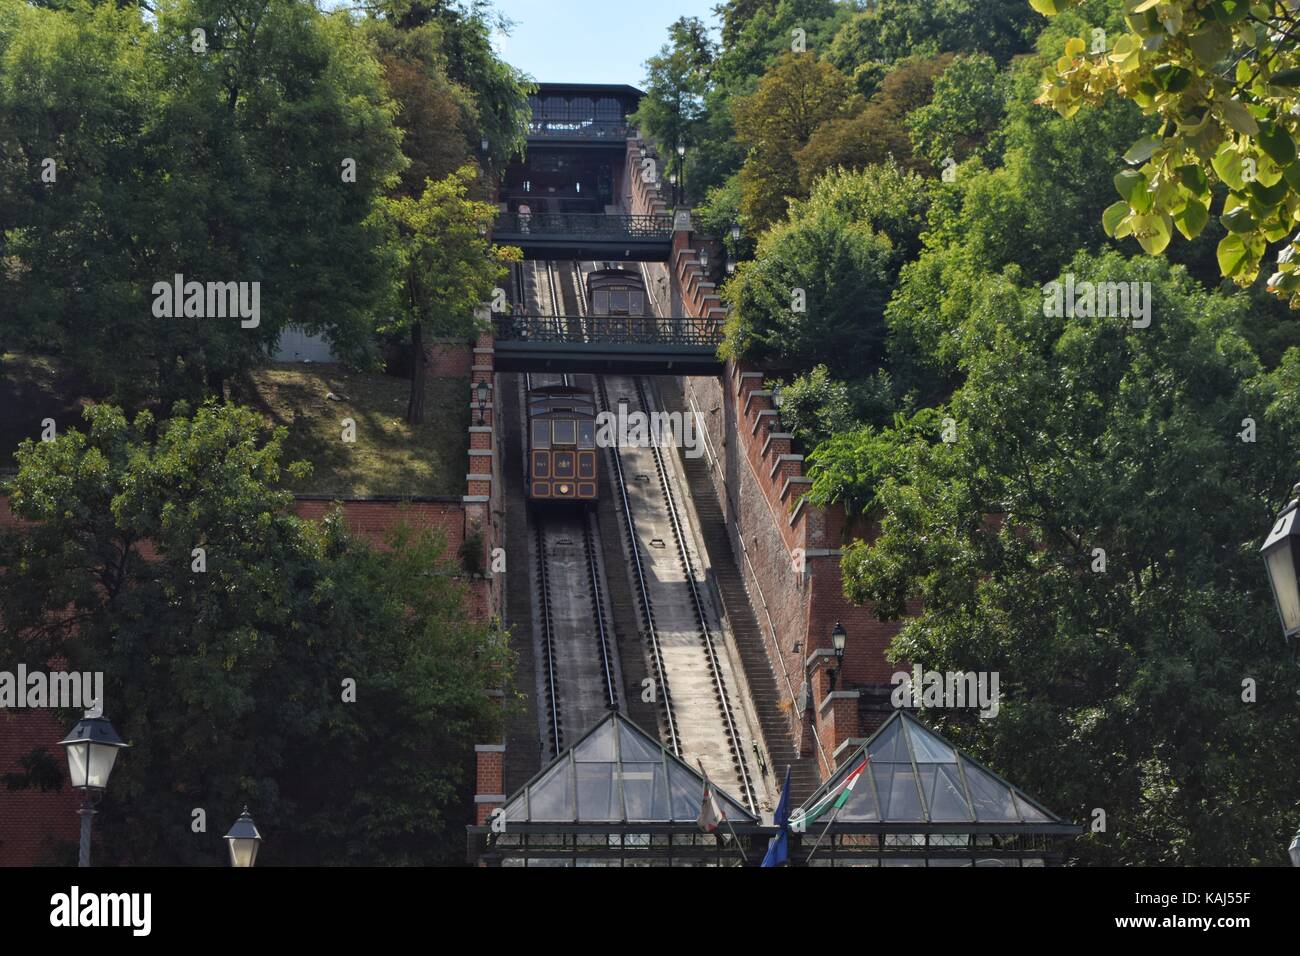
x=566, y=432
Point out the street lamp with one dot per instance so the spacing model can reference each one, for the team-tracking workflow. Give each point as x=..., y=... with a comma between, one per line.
x=838, y=639
x=704, y=260
x=482, y=389
x=92, y=748
x=1280, y=551
x=735, y=232
x=243, y=841
x=778, y=399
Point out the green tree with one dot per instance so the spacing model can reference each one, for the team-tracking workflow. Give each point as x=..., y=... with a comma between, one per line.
x=221, y=165
x=1221, y=80
x=774, y=123
x=448, y=267
x=676, y=83
x=964, y=115
x=1091, y=533
x=225, y=667
x=877, y=132
x=815, y=293
x=890, y=30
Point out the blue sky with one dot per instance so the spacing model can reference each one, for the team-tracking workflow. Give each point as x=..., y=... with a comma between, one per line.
x=591, y=41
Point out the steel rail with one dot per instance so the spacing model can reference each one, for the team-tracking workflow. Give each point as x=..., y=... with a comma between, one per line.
x=651, y=632
x=710, y=646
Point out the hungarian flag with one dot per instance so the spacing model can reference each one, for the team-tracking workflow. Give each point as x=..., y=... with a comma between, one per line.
x=711, y=816
x=835, y=799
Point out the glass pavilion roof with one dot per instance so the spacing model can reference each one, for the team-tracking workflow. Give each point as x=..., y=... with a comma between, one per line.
x=617, y=773
x=916, y=776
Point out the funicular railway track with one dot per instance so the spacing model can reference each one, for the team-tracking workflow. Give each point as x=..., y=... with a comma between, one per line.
x=689, y=645
x=577, y=659
x=694, y=682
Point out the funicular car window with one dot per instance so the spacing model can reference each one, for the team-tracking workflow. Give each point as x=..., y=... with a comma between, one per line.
x=586, y=434
x=566, y=432
x=541, y=434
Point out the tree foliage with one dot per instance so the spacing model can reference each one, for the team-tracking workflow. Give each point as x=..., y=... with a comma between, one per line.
x=791, y=102
x=227, y=678
x=1091, y=534
x=1220, y=78
x=448, y=266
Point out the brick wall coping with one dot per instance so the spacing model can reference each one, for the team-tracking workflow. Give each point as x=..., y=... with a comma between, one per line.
x=838, y=695
x=490, y=798
x=489, y=748
x=384, y=499
x=811, y=662
x=852, y=743
x=475, y=500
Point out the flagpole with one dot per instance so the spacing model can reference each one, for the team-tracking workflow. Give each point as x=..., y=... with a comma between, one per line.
x=735, y=836
x=712, y=798
x=823, y=835
x=852, y=779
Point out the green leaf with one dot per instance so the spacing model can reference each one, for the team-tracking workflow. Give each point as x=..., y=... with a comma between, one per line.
x=1238, y=117
x=1292, y=176
x=1227, y=163
x=1048, y=8
x=1171, y=78
x=1130, y=181
x=1194, y=178
x=1230, y=11
x=1141, y=151
x=1277, y=143
x=1232, y=255
x=1211, y=44
x=1289, y=77
x=1268, y=196
x=1192, y=218
x=1146, y=5
x=1113, y=216
x=1152, y=233
x=1239, y=220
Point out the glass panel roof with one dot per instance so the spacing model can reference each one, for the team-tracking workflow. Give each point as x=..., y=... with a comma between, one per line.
x=920, y=777
x=616, y=773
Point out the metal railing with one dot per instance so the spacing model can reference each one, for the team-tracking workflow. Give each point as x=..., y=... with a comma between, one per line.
x=594, y=225
x=609, y=330
x=553, y=128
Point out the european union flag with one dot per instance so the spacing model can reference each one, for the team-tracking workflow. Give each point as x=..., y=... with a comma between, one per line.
x=778, y=848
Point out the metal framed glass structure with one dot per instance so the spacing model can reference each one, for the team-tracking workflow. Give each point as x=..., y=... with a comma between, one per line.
x=921, y=802
x=617, y=797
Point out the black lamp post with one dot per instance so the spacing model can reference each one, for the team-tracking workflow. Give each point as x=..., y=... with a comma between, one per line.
x=1281, y=553
x=92, y=748
x=243, y=841
x=482, y=389
x=838, y=639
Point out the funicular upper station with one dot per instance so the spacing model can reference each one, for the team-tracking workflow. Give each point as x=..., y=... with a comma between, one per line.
x=645, y=662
